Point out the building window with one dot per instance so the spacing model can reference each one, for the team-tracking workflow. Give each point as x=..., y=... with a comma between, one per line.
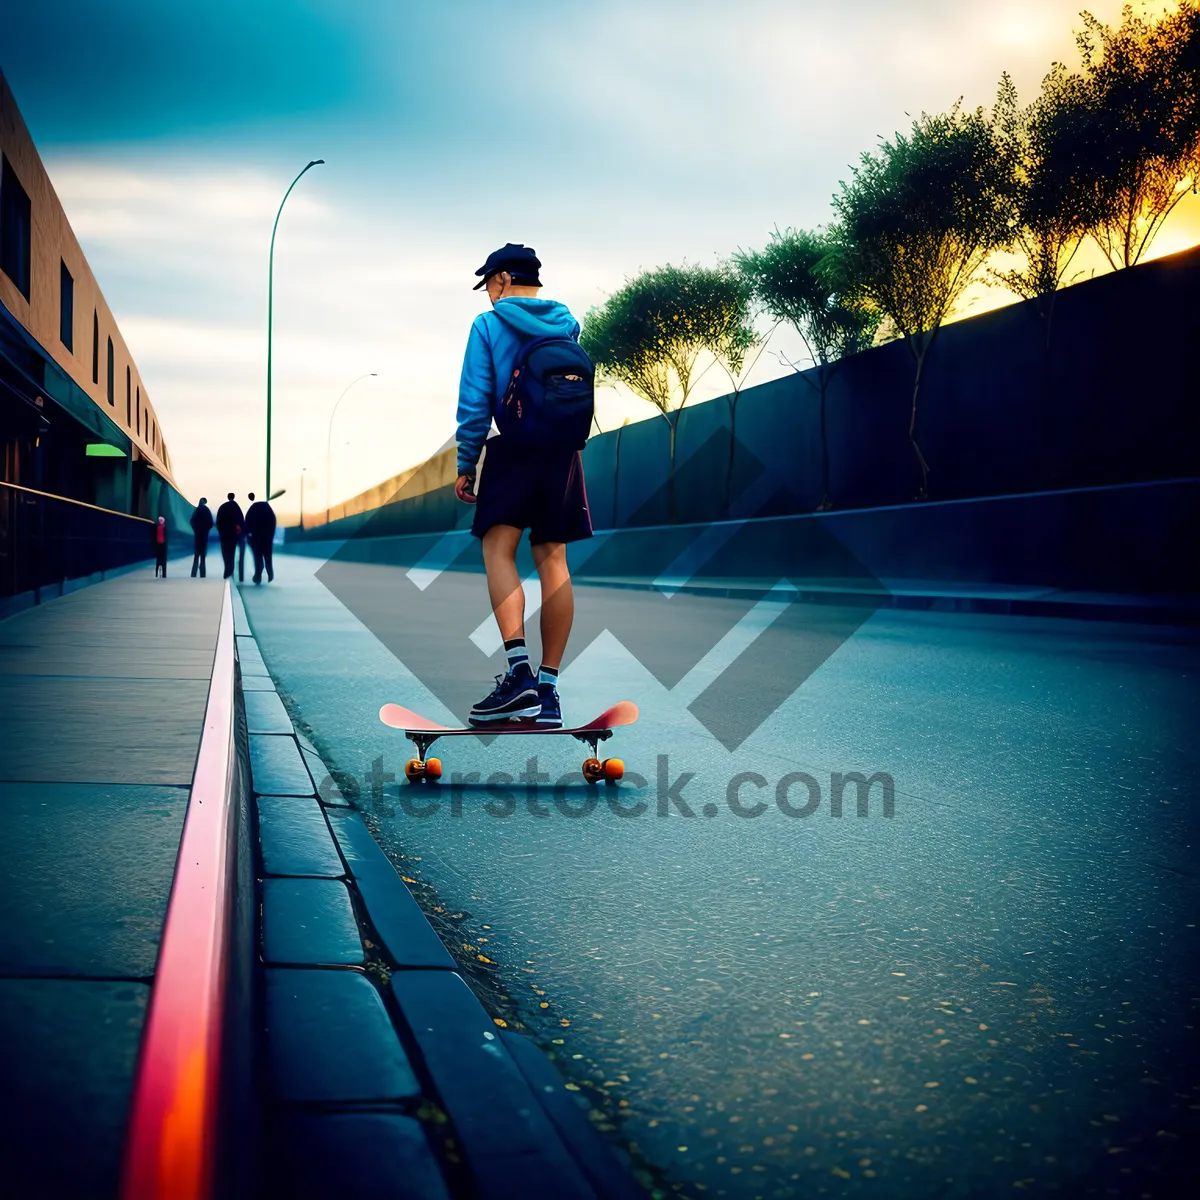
x=139, y=412
x=128, y=392
x=95, y=347
x=129, y=409
x=66, y=307
x=112, y=399
x=14, y=229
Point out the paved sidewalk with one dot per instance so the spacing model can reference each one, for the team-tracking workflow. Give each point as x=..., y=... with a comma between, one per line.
x=102, y=697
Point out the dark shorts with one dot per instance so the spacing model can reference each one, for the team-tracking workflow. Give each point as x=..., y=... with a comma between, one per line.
x=535, y=490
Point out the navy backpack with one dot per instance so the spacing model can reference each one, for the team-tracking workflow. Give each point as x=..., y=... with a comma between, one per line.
x=551, y=396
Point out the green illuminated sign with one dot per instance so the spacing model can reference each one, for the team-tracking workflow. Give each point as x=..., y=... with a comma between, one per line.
x=104, y=450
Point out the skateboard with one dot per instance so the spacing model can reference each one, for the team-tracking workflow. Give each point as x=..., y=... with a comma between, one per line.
x=423, y=733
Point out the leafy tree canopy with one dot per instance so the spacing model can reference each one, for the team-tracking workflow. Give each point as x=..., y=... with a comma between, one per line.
x=919, y=217
x=794, y=280
x=1054, y=202
x=649, y=334
x=1142, y=148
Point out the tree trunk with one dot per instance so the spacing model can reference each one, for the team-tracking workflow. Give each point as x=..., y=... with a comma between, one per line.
x=671, y=472
x=919, y=353
x=826, y=504
x=1049, y=459
x=617, y=476
x=732, y=451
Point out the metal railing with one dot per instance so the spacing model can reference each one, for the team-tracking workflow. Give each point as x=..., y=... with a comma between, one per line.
x=46, y=540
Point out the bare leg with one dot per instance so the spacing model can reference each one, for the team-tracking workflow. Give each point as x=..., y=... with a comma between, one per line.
x=558, y=600
x=504, y=584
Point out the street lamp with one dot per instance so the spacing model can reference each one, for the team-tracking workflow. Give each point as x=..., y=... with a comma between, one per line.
x=329, y=440
x=270, y=308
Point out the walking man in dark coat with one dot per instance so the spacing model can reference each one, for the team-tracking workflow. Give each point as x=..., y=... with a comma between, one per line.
x=260, y=524
x=202, y=523
x=230, y=524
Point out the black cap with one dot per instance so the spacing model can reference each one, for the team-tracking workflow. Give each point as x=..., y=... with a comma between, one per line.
x=514, y=258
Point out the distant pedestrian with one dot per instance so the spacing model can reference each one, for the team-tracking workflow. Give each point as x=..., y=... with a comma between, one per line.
x=202, y=523
x=260, y=524
x=230, y=524
x=160, y=547
x=241, y=549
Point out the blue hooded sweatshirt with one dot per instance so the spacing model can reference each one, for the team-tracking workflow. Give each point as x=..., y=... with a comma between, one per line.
x=491, y=351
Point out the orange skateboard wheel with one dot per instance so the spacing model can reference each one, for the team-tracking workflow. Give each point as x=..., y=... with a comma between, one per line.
x=614, y=769
x=414, y=770
x=593, y=770
x=433, y=768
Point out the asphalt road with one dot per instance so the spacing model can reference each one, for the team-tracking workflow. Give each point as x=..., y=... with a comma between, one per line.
x=992, y=989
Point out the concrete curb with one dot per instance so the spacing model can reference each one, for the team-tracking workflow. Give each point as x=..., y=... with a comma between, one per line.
x=364, y=1010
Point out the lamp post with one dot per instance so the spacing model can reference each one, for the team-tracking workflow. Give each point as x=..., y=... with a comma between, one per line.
x=329, y=442
x=271, y=309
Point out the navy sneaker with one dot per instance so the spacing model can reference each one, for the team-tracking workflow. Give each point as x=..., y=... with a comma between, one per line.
x=551, y=714
x=514, y=698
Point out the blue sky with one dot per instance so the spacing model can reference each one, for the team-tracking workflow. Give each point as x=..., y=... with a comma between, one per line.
x=610, y=136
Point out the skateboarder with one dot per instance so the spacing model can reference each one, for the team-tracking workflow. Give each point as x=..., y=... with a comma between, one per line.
x=260, y=524
x=229, y=529
x=202, y=523
x=539, y=488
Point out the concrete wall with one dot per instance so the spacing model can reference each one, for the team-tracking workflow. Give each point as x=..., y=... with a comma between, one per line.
x=52, y=242
x=1125, y=539
x=1108, y=400
x=436, y=472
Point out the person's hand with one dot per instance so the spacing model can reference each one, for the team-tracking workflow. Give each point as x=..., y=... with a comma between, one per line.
x=464, y=489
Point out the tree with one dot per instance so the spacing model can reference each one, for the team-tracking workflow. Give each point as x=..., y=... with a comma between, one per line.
x=650, y=334
x=1053, y=205
x=1141, y=80
x=617, y=471
x=915, y=224
x=733, y=340
x=792, y=279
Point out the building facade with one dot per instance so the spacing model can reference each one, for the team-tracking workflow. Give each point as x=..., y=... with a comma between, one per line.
x=76, y=420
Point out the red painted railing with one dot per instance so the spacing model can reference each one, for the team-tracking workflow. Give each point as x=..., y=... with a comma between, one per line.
x=172, y=1134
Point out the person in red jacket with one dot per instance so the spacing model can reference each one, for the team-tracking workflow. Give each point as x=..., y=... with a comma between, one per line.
x=160, y=547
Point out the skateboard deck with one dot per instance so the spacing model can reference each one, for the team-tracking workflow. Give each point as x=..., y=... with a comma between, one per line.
x=625, y=712
x=423, y=732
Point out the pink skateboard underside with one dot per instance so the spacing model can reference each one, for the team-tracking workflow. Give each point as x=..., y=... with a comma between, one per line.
x=625, y=712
